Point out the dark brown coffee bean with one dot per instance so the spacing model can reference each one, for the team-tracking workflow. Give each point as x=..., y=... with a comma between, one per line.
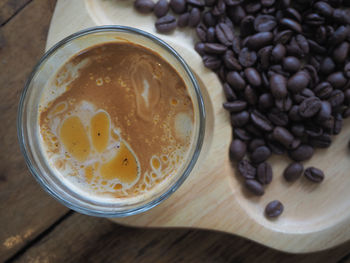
x=246, y=169
x=250, y=95
x=261, y=121
x=314, y=174
x=247, y=58
x=254, y=187
x=240, y=119
x=235, y=80
x=229, y=93
x=247, y=26
x=220, y=8
x=291, y=24
x=144, y=6
x=209, y=19
x=274, y=209
x=195, y=17
x=298, y=130
x=236, y=13
x=293, y=172
x=346, y=113
x=323, y=90
x=341, y=52
x=161, y=8
x=253, y=76
x=264, y=173
x=322, y=141
x=309, y=107
x=283, y=37
x=302, y=153
x=291, y=64
x=278, y=117
x=264, y=23
x=284, y=104
x=252, y=7
x=338, y=123
x=165, y=24
x=224, y=34
x=265, y=55
x=236, y=45
x=276, y=147
x=304, y=94
x=294, y=113
x=314, y=19
x=259, y=40
x=211, y=62
x=201, y=31
x=293, y=14
x=230, y=61
x=278, y=85
x=283, y=136
x=298, y=82
x=347, y=70
x=214, y=48
x=242, y=134
x=323, y=8
x=278, y=53
x=178, y=6
x=235, y=106
x=315, y=47
x=266, y=101
x=238, y=149
x=183, y=21
x=211, y=37
x=196, y=3
x=325, y=111
x=267, y=3
x=337, y=80
x=255, y=143
x=339, y=35
x=312, y=130
x=260, y=154
x=336, y=98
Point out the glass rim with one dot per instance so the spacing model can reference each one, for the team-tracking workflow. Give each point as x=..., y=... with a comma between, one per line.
x=25, y=149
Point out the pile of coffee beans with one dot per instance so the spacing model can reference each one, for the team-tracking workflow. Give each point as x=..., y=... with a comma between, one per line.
x=285, y=72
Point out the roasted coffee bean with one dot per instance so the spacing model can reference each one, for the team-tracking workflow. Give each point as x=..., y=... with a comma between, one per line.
x=211, y=62
x=324, y=8
x=238, y=149
x=252, y=7
x=304, y=94
x=323, y=90
x=255, y=143
x=264, y=173
x=254, y=187
x=144, y=6
x=277, y=69
x=314, y=19
x=196, y=3
x=314, y=174
x=260, y=154
x=236, y=13
x=283, y=136
x=347, y=70
x=250, y=95
x=242, y=134
x=253, y=76
x=293, y=14
x=346, y=113
x=246, y=169
x=276, y=147
x=236, y=81
x=338, y=123
x=195, y=17
x=325, y=111
x=178, y=6
x=294, y=113
x=264, y=23
x=210, y=2
x=161, y=8
x=183, y=20
x=293, y=172
x=199, y=47
x=323, y=141
x=284, y=104
x=265, y=55
x=274, y=209
x=219, y=8
x=254, y=131
x=247, y=58
x=211, y=37
x=315, y=47
x=240, y=119
x=236, y=45
x=339, y=35
x=291, y=24
x=327, y=65
x=230, y=61
x=261, y=121
x=165, y=24
x=278, y=117
x=336, y=98
x=201, y=31
x=283, y=37
x=278, y=85
x=337, y=80
x=229, y=93
x=313, y=130
x=247, y=26
x=309, y=107
x=278, y=53
x=214, y=48
x=298, y=82
x=266, y=101
x=341, y=52
x=302, y=153
x=298, y=130
x=259, y=40
x=224, y=34
x=209, y=19
x=235, y=106
x=291, y=64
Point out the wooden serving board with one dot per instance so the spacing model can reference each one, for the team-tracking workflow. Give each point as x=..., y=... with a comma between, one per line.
x=316, y=216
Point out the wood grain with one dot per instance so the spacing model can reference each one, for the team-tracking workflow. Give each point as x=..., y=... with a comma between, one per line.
x=85, y=239
x=25, y=209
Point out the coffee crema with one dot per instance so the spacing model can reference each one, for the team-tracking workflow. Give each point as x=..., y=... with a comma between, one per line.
x=116, y=121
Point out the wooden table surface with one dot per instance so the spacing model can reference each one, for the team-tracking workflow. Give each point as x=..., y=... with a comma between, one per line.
x=36, y=228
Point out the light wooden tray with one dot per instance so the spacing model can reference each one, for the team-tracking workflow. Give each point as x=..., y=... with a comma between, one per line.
x=316, y=216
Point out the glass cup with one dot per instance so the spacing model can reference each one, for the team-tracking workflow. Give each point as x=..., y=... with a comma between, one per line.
x=29, y=130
